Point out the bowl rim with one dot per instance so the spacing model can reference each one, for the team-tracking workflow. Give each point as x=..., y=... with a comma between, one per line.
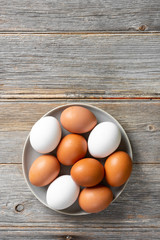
x=48, y=113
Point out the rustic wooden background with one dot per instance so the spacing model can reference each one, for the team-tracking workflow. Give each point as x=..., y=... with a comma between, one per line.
x=101, y=52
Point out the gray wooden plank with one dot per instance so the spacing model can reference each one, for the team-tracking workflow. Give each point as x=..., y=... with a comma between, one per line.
x=80, y=233
x=74, y=15
x=138, y=206
x=139, y=119
x=79, y=66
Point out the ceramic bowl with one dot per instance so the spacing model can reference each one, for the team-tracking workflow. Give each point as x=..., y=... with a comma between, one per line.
x=29, y=155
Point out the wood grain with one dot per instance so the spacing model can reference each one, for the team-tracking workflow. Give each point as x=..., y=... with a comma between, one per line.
x=82, y=233
x=105, y=53
x=138, y=205
x=139, y=119
x=79, y=66
x=75, y=15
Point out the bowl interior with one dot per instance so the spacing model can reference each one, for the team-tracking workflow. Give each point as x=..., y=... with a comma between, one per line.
x=29, y=155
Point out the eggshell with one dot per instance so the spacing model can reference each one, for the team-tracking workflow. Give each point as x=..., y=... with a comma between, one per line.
x=87, y=172
x=62, y=193
x=44, y=170
x=45, y=134
x=104, y=139
x=77, y=119
x=95, y=199
x=118, y=168
x=71, y=148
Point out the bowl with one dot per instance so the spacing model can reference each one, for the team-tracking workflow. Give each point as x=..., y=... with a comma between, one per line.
x=29, y=155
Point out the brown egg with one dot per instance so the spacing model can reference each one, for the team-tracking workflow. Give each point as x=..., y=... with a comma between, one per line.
x=95, y=199
x=118, y=168
x=87, y=172
x=44, y=170
x=78, y=119
x=72, y=148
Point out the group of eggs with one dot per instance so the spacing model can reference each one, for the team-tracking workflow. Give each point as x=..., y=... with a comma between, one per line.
x=86, y=174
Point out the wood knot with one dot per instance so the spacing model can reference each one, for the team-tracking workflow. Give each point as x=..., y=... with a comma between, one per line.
x=142, y=27
x=69, y=238
x=19, y=208
x=151, y=128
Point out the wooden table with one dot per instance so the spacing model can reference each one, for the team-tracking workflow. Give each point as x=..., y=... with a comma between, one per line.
x=105, y=53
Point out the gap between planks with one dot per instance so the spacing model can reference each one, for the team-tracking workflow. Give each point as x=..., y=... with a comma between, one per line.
x=81, y=33
x=51, y=98
x=41, y=228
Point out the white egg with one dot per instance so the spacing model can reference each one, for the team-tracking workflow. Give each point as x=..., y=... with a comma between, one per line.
x=62, y=192
x=45, y=134
x=104, y=139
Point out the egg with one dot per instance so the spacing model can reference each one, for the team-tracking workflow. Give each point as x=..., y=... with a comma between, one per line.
x=71, y=148
x=118, y=168
x=62, y=193
x=45, y=134
x=77, y=119
x=104, y=139
x=95, y=199
x=87, y=172
x=44, y=170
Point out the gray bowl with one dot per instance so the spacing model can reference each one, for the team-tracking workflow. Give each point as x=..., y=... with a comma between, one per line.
x=29, y=155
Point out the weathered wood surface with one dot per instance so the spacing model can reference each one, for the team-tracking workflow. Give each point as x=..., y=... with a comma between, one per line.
x=105, y=53
x=83, y=234
x=138, y=205
x=75, y=15
x=139, y=119
x=79, y=66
